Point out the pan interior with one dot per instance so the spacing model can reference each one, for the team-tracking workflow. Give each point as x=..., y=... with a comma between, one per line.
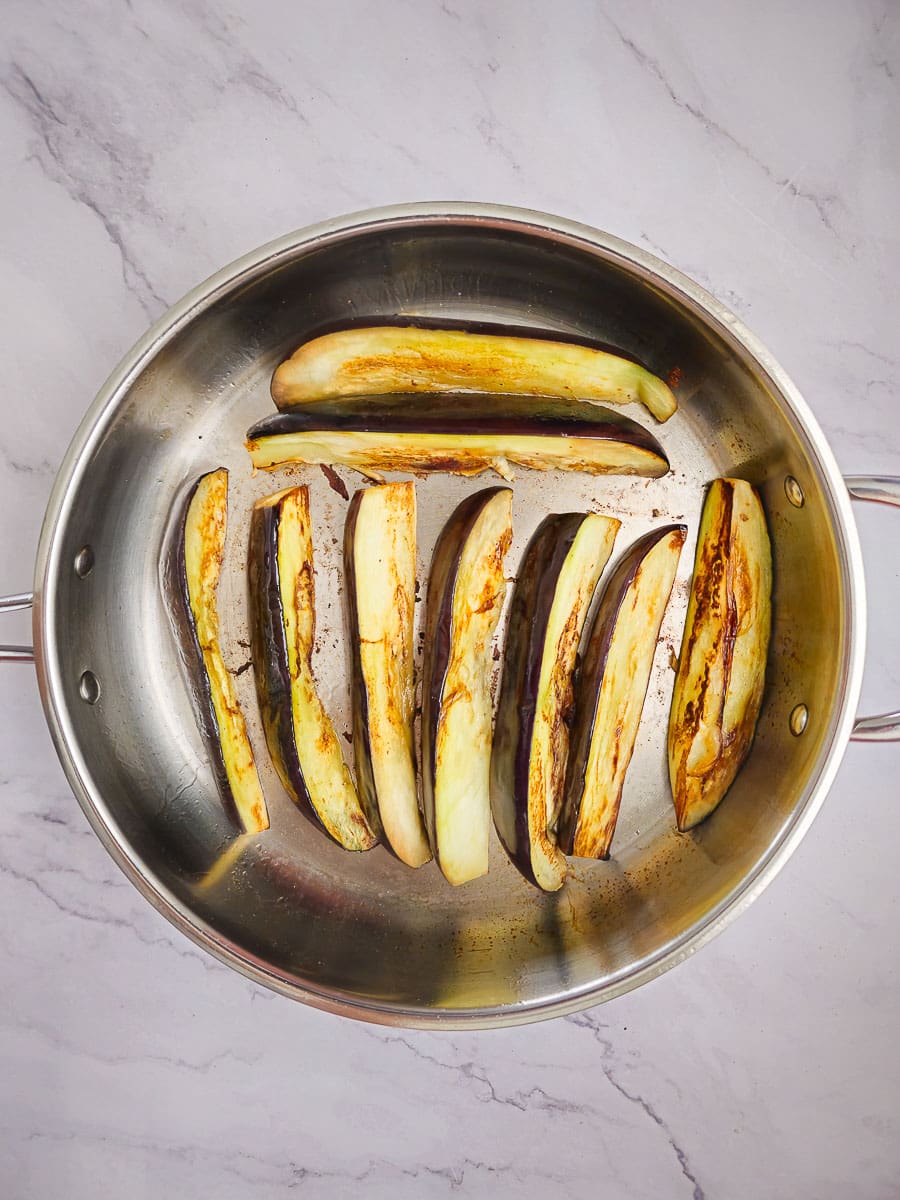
x=363, y=931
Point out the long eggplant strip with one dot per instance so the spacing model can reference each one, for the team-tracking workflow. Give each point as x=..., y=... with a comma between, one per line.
x=380, y=579
x=721, y=671
x=199, y=549
x=553, y=591
x=301, y=737
x=466, y=590
x=461, y=434
x=611, y=689
x=365, y=361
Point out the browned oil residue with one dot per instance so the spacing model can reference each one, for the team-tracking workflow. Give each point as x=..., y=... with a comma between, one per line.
x=334, y=481
x=675, y=377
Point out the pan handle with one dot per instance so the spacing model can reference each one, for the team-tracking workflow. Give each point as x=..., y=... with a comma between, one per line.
x=886, y=490
x=15, y=604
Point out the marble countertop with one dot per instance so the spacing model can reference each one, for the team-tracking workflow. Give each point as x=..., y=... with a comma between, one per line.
x=147, y=142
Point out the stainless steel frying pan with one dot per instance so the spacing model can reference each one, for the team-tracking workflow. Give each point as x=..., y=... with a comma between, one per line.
x=363, y=935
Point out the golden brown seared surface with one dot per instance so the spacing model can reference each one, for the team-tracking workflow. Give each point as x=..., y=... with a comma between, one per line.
x=721, y=671
x=382, y=562
x=327, y=778
x=204, y=548
x=465, y=719
x=468, y=453
x=384, y=359
x=626, y=632
x=575, y=586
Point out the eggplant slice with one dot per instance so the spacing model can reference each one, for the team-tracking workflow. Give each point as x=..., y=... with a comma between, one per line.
x=721, y=671
x=359, y=362
x=611, y=689
x=301, y=738
x=380, y=575
x=466, y=591
x=193, y=570
x=559, y=573
x=464, y=434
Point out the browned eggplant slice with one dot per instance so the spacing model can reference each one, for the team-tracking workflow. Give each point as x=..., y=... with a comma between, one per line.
x=193, y=569
x=464, y=434
x=611, y=689
x=466, y=591
x=301, y=738
x=556, y=581
x=380, y=575
x=354, y=362
x=721, y=671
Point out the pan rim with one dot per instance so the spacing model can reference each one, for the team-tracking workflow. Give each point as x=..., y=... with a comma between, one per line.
x=526, y=222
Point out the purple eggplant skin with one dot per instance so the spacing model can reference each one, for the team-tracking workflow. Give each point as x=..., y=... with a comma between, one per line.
x=178, y=606
x=362, y=748
x=268, y=649
x=455, y=413
x=590, y=677
x=438, y=630
x=516, y=707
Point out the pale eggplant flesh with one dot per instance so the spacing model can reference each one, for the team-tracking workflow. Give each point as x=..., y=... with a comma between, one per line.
x=192, y=579
x=463, y=433
x=611, y=688
x=721, y=670
x=466, y=592
x=380, y=581
x=553, y=591
x=365, y=361
x=300, y=735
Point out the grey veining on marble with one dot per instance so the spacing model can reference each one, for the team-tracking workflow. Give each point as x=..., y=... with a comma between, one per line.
x=754, y=145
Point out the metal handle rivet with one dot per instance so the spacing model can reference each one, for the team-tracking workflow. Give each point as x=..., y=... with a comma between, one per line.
x=798, y=718
x=84, y=562
x=89, y=687
x=794, y=492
